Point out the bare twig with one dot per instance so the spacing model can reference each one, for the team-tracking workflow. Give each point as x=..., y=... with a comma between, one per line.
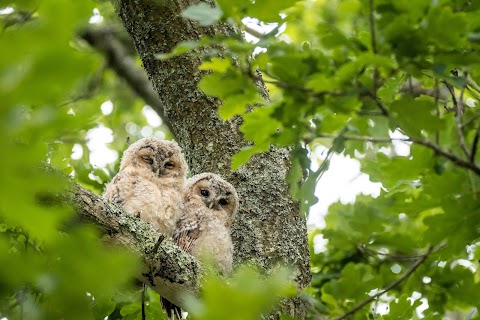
x=475, y=144
x=410, y=84
x=92, y=85
x=390, y=256
x=437, y=95
x=392, y=285
x=161, y=237
x=364, y=138
x=471, y=120
x=458, y=120
x=450, y=156
x=117, y=55
x=144, y=315
x=452, y=93
x=371, y=20
x=286, y=85
x=381, y=106
x=253, y=32
x=369, y=113
x=373, y=42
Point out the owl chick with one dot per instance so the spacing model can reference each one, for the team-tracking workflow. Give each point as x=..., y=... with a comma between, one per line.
x=150, y=182
x=203, y=229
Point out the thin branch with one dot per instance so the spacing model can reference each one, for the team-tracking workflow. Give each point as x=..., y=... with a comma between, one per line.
x=437, y=95
x=92, y=85
x=392, y=285
x=381, y=106
x=373, y=42
x=458, y=120
x=253, y=32
x=475, y=144
x=389, y=256
x=410, y=85
x=363, y=138
x=119, y=60
x=471, y=120
x=450, y=156
x=369, y=113
x=144, y=315
x=286, y=85
x=371, y=20
x=452, y=92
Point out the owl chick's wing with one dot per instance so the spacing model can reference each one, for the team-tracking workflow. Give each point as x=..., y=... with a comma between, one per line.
x=188, y=231
x=114, y=191
x=120, y=189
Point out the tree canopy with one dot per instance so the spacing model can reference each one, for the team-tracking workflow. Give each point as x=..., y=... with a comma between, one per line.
x=352, y=77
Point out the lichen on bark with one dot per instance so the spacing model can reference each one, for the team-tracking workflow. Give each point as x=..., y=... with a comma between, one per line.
x=166, y=268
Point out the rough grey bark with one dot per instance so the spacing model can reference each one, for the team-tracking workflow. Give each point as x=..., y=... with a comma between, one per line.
x=166, y=269
x=269, y=229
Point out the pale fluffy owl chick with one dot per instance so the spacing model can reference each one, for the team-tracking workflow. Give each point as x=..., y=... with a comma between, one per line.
x=203, y=229
x=150, y=182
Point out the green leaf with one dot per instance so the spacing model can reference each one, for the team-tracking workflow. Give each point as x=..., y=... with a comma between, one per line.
x=259, y=125
x=216, y=64
x=203, y=13
x=269, y=11
x=247, y=295
x=446, y=28
x=417, y=116
x=181, y=48
x=402, y=308
x=242, y=157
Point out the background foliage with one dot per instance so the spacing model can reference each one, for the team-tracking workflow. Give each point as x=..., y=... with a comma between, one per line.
x=353, y=77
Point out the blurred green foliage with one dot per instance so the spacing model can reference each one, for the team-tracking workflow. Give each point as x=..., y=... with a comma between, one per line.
x=343, y=75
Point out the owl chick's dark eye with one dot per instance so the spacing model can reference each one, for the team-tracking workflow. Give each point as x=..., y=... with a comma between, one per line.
x=169, y=165
x=204, y=193
x=223, y=202
x=148, y=160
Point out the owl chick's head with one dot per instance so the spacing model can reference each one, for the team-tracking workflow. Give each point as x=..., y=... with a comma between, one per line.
x=163, y=158
x=216, y=193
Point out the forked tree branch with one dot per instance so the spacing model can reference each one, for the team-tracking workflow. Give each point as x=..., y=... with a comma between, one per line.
x=167, y=269
x=438, y=150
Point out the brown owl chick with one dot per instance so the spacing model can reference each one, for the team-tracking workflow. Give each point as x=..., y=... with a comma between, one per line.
x=203, y=230
x=150, y=182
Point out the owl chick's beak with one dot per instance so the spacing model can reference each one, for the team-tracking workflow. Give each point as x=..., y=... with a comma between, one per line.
x=210, y=204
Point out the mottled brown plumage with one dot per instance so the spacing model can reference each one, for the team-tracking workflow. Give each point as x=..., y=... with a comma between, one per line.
x=150, y=182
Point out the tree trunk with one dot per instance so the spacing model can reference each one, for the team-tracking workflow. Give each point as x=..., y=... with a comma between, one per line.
x=269, y=229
